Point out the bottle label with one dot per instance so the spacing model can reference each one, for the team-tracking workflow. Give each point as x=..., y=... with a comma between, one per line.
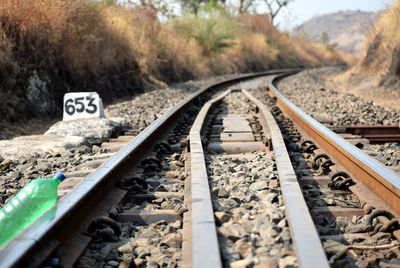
x=78, y=105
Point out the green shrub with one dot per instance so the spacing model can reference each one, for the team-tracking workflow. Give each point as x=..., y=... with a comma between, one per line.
x=212, y=35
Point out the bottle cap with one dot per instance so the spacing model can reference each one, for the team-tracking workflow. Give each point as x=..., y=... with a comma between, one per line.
x=60, y=175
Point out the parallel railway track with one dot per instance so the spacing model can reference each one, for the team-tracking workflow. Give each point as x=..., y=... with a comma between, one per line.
x=165, y=174
x=376, y=134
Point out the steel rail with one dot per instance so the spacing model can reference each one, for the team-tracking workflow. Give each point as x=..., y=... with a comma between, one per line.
x=384, y=182
x=306, y=241
x=55, y=225
x=205, y=248
x=373, y=130
x=376, y=134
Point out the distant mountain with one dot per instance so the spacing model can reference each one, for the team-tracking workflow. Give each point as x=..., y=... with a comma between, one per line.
x=345, y=28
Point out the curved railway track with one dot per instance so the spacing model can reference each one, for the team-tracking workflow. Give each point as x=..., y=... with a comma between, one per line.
x=223, y=179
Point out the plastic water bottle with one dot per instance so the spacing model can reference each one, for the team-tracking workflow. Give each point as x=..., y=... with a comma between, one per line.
x=29, y=203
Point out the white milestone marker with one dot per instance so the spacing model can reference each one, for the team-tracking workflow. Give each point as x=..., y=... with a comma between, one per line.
x=80, y=105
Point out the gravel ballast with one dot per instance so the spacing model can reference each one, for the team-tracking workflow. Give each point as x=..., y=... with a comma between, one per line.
x=308, y=90
x=249, y=211
x=23, y=165
x=247, y=201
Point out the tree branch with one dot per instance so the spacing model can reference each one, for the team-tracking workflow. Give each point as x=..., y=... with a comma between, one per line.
x=272, y=13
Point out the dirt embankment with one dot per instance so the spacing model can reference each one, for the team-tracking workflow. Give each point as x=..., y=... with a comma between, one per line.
x=48, y=48
x=377, y=75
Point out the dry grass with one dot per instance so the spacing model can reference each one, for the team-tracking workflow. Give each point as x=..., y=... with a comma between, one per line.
x=382, y=40
x=82, y=45
x=73, y=32
x=70, y=45
x=89, y=38
x=160, y=51
x=388, y=26
x=377, y=76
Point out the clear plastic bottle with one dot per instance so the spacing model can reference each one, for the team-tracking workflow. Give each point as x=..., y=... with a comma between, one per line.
x=27, y=205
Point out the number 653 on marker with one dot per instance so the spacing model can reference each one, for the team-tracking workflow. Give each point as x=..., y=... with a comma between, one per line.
x=80, y=105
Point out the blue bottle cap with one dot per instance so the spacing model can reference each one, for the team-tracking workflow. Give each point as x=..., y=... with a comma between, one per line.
x=60, y=175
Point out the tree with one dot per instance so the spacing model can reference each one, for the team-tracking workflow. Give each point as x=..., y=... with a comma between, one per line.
x=274, y=6
x=109, y=2
x=244, y=5
x=195, y=6
x=325, y=38
x=154, y=7
x=191, y=5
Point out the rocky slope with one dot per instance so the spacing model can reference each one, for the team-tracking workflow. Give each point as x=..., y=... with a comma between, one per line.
x=376, y=77
x=345, y=28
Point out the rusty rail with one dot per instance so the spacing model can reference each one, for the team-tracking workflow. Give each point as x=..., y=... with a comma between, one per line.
x=205, y=248
x=306, y=241
x=55, y=225
x=376, y=134
x=382, y=181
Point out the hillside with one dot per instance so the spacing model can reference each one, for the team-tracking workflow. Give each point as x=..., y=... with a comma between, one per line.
x=377, y=75
x=48, y=48
x=345, y=28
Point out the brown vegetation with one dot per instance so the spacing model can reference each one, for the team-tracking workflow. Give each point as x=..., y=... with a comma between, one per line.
x=383, y=47
x=48, y=48
x=377, y=75
x=68, y=45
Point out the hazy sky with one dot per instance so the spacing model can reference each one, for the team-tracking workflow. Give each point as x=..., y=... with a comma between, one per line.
x=301, y=10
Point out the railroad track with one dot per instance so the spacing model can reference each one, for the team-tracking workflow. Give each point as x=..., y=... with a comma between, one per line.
x=211, y=183
x=374, y=134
